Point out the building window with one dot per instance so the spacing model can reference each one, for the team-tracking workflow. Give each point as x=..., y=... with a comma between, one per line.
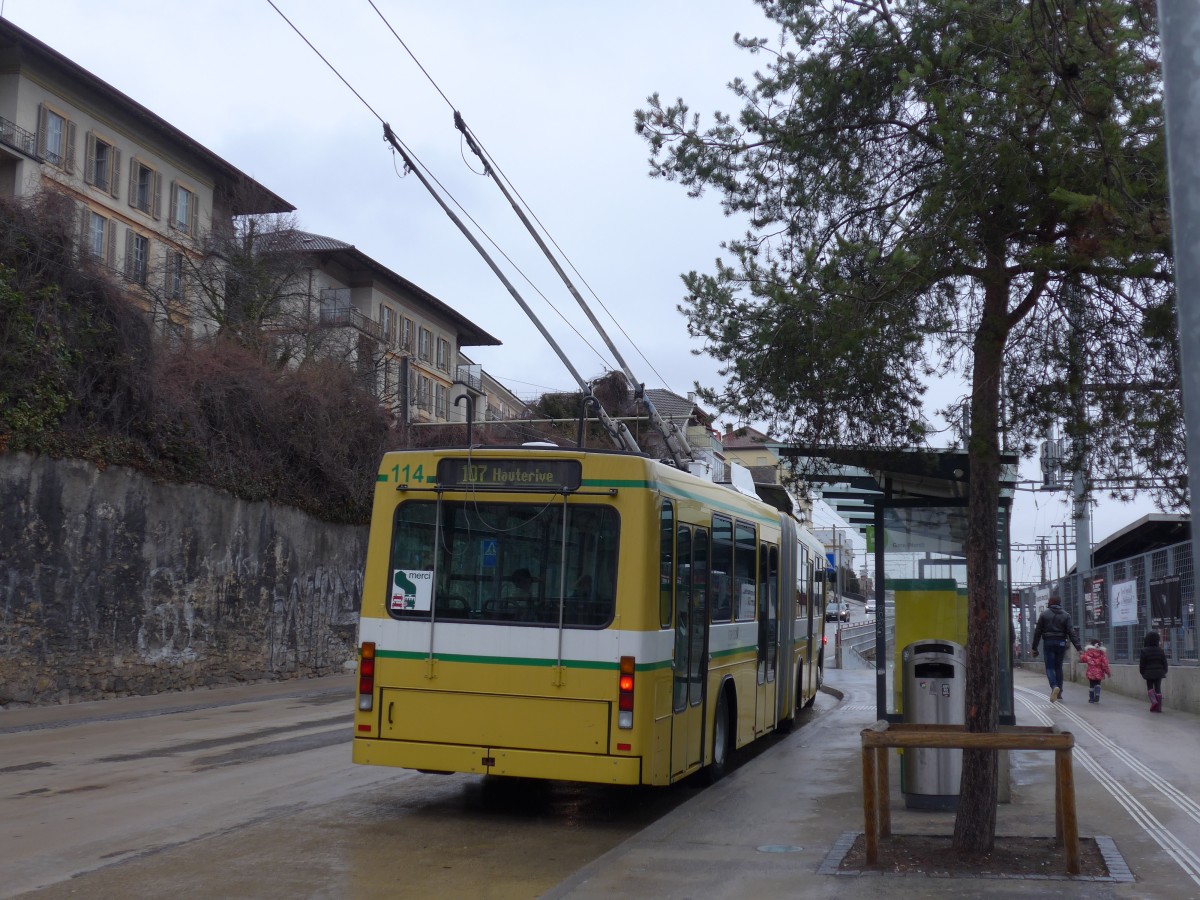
x=389, y=379
x=439, y=402
x=184, y=209
x=424, y=348
x=56, y=139
x=98, y=237
x=98, y=233
x=96, y=229
x=173, y=279
x=98, y=164
x=387, y=320
x=406, y=334
x=424, y=390
x=443, y=354
x=103, y=164
x=145, y=188
x=137, y=257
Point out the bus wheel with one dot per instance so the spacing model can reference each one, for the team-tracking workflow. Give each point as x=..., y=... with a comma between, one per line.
x=820, y=681
x=722, y=742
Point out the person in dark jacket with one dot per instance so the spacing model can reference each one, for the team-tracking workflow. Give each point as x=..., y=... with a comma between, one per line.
x=1055, y=629
x=1153, y=666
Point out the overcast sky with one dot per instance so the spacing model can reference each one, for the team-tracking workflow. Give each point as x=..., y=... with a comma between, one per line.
x=549, y=88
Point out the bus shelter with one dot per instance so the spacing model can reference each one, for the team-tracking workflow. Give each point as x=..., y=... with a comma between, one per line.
x=912, y=508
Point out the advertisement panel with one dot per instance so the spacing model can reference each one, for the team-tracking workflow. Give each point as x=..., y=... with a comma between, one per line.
x=1124, y=602
x=1166, y=602
x=1094, y=611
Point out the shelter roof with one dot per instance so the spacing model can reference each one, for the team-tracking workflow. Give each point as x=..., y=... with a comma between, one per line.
x=851, y=479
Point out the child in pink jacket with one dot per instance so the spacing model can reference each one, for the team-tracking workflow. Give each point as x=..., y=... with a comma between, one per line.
x=1096, y=661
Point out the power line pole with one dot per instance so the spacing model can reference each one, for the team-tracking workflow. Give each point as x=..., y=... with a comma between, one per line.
x=1179, y=28
x=1082, y=508
x=1062, y=549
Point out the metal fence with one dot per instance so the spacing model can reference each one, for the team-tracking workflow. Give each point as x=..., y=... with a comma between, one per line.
x=1124, y=642
x=860, y=638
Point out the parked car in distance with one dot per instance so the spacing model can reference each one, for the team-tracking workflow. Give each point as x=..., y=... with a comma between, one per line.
x=835, y=610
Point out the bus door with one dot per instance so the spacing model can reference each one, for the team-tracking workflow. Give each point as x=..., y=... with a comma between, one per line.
x=690, y=658
x=768, y=637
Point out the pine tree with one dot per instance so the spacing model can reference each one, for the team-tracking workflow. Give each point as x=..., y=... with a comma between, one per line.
x=934, y=188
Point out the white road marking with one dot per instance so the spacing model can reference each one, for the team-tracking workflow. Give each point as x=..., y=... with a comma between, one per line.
x=1176, y=849
x=1154, y=780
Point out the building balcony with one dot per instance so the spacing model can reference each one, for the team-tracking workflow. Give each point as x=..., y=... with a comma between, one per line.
x=351, y=317
x=471, y=376
x=13, y=135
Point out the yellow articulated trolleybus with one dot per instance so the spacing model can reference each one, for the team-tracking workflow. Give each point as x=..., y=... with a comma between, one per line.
x=578, y=615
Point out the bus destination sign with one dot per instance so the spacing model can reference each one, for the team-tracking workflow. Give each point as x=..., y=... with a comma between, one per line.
x=510, y=474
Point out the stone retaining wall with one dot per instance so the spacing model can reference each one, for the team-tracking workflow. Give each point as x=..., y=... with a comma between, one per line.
x=111, y=584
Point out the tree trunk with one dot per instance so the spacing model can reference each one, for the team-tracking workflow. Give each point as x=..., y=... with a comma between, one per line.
x=975, y=824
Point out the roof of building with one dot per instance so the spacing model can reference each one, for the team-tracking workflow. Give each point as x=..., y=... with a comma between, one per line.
x=361, y=266
x=743, y=438
x=678, y=409
x=245, y=195
x=1148, y=533
x=319, y=243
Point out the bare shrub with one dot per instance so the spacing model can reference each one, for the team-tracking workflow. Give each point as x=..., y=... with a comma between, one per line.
x=310, y=437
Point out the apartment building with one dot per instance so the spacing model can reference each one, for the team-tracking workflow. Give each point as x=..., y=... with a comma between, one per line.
x=499, y=403
x=145, y=193
x=147, y=198
x=407, y=341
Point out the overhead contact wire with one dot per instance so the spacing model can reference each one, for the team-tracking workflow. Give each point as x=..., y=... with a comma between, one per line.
x=490, y=161
x=426, y=168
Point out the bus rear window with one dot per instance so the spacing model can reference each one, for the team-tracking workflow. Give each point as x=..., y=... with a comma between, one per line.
x=504, y=562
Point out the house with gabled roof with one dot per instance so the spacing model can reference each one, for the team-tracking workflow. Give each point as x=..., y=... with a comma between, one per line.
x=750, y=448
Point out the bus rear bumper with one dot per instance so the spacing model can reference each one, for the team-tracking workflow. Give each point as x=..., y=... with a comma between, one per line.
x=511, y=763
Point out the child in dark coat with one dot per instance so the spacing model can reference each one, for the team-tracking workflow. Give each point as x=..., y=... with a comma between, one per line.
x=1153, y=666
x=1096, y=661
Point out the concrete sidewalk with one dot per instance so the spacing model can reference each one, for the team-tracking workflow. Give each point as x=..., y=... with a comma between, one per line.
x=778, y=825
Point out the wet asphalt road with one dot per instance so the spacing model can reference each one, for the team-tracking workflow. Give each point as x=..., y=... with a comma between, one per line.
x=250, y=792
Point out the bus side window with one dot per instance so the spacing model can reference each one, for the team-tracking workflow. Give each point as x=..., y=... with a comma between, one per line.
x=721, y=596
x=666, y=563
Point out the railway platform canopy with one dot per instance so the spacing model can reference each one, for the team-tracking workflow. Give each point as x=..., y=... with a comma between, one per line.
x=911, y=506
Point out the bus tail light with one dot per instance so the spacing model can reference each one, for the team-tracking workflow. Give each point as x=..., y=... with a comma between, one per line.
x=366, y=676
x=625, y=693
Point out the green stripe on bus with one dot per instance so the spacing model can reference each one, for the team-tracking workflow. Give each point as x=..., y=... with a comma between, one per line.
x=675, y=491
